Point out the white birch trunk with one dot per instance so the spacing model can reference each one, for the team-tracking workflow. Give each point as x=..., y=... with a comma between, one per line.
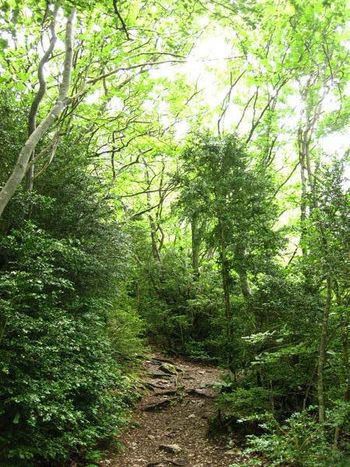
x=22, y=163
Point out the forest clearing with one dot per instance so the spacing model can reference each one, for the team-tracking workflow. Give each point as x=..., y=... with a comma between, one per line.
x=174, y=233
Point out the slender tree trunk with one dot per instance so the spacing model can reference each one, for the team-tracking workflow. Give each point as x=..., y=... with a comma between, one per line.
x=242, y=271
x=303, y=200
x=225, y=274
x=225, y=277
x=243, y=280
x=152, y=224
x=40, y=95
x=196, y=240
x=346, y=370
x=153, y=228
x=346, y=362
x=22, y=164
x=322, y=353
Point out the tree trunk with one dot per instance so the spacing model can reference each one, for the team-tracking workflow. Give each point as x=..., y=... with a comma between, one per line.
x=242, y=271
x=196, y=241
x=153, y=228
x=22, y=164
x=243, y=280
x=303, y=200
x=225, y=277
x=40, y=94
x=346, y=362
x=152, y=224
x=322, y=353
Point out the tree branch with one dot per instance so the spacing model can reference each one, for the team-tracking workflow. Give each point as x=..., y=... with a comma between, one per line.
x=116, y=11
x=21, y=166
x=42, y=89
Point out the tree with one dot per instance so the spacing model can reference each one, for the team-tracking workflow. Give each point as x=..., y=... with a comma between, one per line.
x=327, y=241
x=220, y=187
x=23, y=161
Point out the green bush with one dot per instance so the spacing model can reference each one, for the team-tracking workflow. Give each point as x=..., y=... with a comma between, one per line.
x=299, y=442
x=242, y=403
x=126, y=330
x=60, y=390
x=63, y=329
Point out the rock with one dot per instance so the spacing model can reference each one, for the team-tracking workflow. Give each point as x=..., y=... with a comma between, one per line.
x=169, y=392
x=202, y=392
x=179, y=462
x=154, y=406
x=167, y=462
x=192, y=416
x=159, y=374
x=233, y=452
x=158, y=384
x=168, y=368
x=171, y=448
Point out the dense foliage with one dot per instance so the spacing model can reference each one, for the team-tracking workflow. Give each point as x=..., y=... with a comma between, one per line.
x=61, y=256
x=174, y=173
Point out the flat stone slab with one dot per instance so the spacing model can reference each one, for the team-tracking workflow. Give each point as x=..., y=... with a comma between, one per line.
x=202, y=392
x=159, y=374
x=158, y=405
x=168, y=368
x=171, y=448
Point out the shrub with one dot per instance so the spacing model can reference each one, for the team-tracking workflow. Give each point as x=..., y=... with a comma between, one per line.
x=60, y=391
x=299, y=442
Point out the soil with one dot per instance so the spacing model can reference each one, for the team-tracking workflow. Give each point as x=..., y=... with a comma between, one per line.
x=171, y=423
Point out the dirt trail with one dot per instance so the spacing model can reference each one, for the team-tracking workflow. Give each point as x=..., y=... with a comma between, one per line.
x=171, y=422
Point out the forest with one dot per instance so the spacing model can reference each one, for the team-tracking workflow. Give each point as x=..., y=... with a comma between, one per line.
x=174, y=178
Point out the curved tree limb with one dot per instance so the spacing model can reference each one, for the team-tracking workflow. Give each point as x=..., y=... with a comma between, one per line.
x=42, y=83
x=27, y=150
x=41, y=91
x=227, y=100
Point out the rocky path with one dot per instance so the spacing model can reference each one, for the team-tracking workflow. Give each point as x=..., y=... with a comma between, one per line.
x=170, y=425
